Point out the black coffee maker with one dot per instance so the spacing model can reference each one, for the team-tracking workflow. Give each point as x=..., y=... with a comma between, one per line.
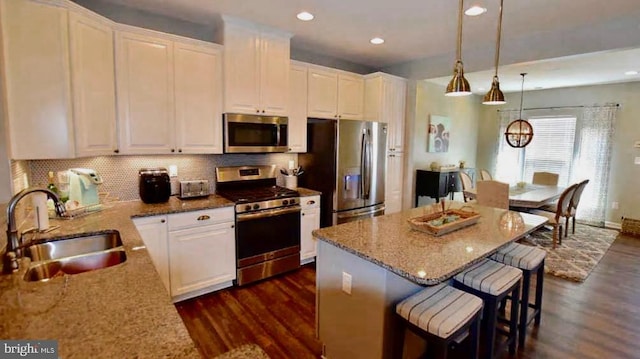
x=155, y=185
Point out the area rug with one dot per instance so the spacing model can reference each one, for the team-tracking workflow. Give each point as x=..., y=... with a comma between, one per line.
x=248, y=351
x=578, y=254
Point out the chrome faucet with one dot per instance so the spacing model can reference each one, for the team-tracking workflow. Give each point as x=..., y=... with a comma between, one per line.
x=14, y=250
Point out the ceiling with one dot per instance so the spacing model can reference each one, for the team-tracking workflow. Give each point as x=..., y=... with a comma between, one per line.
x=424, y=32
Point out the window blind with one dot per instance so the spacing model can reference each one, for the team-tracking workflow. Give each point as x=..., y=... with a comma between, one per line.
x=551, y=149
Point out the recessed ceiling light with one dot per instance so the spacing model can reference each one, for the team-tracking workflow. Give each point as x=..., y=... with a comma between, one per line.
x=305, y=16
x=376, y=41
x=475, y=10
x=629, y=73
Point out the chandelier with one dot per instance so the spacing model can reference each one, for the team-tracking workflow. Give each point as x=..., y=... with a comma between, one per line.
x=519, y=132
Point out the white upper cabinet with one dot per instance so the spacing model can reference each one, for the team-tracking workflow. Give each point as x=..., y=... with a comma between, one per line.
x=323, y=93
x=198, y=98
x=144, y=69
x=297, y=127
x=335, y=94
x=93, y=82
x=169, y=94
x=350, y=96
x=256, y=69
x=385, y=101
x=36, y=79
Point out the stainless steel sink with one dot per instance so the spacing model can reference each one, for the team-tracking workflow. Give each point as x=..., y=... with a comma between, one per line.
x=74, y=255
x=74, y=246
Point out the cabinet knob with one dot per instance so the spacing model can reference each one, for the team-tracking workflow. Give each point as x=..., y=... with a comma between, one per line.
x=163, y=220
x=262, y=111
x=116, y=151
x=311, y=202
x=290, y=149
x=233, y=226
x=173, y=150
x=303, y=214
x=180, y=150
x=257, y=110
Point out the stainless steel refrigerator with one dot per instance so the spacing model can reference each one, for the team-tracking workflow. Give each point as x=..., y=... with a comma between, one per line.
x=345, y=160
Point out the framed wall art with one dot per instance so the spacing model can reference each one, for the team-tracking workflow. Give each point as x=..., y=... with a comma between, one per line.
x=438, y=134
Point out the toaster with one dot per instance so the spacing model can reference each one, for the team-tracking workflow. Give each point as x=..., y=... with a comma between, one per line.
x=155, y=185
x=194, y=188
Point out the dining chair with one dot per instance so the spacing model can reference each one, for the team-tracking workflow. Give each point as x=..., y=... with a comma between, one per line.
x=545, y=178
x=573, y=207
x=493, y=194
x=467, y=184
x=555, y=219
x=485, y=175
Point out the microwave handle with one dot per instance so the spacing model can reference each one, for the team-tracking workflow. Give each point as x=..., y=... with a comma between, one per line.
x=278, y=135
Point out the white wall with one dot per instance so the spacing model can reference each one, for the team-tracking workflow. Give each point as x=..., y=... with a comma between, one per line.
x=428, y=99
x=624, y=176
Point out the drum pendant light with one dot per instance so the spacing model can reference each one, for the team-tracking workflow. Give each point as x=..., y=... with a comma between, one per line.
x=458, y=86
x=495, y=96
x=519, y=132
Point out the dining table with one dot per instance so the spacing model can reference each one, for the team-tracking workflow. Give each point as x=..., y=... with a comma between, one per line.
x=527, y=195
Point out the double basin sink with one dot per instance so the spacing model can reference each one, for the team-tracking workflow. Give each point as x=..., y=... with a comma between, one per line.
x=73, y=255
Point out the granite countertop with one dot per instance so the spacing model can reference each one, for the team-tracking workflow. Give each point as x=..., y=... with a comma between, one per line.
x=305, y=192
x=420, y=257
x=122, y=311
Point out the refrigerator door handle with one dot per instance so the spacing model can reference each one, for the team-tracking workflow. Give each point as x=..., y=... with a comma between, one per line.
x=363, y=151
x=369, y=165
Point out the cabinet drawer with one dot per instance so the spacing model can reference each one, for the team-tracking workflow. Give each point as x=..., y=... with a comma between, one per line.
x=309, y=202
x=200, y=218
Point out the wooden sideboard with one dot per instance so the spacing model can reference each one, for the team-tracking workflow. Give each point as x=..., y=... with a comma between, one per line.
x=438, y=184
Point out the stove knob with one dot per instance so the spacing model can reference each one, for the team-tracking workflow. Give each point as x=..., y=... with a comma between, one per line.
x=247, y=208
x=285, y=202
x=256, y=206
x=292, y=201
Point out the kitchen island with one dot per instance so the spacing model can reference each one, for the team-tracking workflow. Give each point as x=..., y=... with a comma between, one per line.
x=365, y=267
x=121, y=311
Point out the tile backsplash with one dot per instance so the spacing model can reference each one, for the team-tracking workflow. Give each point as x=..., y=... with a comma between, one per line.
x=120, y=173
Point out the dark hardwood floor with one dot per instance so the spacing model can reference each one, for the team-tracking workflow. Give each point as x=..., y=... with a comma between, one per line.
x=599, y=318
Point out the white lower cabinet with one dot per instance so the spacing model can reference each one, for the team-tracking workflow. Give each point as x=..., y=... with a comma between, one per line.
x=153, y=231
x=194, y=252
x=201, y=257
x=309, y=220
x=394, y=179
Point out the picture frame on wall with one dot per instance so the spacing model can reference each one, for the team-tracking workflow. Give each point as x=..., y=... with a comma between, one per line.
x=438, y=134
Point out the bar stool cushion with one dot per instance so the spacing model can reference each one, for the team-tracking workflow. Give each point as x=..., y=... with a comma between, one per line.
x=439, y=310
x=520, y=256
x=490, y=277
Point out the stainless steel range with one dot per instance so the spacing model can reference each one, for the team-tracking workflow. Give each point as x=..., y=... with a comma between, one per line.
x=267, y=221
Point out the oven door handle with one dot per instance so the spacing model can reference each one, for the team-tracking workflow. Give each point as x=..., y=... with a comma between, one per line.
x=268, y=213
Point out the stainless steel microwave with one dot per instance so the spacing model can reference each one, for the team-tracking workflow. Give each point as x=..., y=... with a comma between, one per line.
x=254, y=133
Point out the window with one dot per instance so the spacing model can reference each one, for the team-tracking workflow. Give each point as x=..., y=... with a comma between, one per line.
x=551, y=150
